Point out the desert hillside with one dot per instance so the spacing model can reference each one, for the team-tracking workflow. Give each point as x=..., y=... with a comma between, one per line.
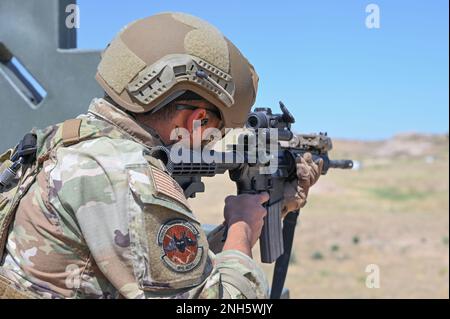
x=392, y=212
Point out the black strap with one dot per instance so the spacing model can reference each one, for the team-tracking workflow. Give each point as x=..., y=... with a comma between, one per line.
x=26, y=149
x=282, y=263
x=24, y=153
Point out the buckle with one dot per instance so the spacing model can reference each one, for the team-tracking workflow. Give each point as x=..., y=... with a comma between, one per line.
x=26, y=149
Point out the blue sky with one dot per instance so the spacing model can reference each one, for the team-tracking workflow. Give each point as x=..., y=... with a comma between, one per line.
x=319, y=58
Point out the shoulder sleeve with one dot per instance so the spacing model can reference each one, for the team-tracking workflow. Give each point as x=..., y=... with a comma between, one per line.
x=166, y=238
x=235, y=276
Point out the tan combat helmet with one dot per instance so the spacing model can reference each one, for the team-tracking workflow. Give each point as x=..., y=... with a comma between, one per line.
x=154, y=60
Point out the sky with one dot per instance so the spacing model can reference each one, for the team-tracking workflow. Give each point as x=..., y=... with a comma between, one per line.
x=319, y=58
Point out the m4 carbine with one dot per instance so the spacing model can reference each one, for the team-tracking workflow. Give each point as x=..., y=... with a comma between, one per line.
x=263, y=160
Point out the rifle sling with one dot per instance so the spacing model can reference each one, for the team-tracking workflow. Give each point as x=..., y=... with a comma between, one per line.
x=282, y=263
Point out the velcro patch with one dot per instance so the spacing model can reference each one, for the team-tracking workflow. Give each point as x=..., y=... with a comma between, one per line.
x=119, y=65
x=167, y=186
x=178, y=241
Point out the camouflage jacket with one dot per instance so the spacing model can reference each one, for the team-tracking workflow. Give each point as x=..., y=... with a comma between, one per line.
x=103, y=220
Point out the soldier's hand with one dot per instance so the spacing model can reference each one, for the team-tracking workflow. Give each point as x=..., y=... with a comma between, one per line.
x=245, y=214
x=296, y=192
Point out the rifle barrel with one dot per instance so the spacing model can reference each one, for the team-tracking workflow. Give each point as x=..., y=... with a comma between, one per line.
x=343, y=164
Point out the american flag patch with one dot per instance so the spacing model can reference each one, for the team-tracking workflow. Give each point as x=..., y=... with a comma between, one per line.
x=167, y=186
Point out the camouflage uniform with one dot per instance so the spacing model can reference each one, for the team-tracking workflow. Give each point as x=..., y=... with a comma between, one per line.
x=104, y=220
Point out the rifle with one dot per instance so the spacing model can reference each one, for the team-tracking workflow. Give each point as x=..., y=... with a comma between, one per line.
x=255, y=170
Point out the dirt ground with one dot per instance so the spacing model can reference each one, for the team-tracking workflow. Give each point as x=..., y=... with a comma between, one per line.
x=393, y=212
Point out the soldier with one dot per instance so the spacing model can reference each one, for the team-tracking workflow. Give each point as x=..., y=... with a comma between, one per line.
x=94, y=216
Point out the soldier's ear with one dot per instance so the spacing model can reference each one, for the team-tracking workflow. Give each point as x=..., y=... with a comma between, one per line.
x=195, y=115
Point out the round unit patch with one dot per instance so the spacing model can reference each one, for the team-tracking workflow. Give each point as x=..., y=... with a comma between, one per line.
x=178, y=240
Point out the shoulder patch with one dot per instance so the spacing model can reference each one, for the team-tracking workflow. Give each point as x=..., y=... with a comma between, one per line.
x=165, y=237
x=167, y=186
x=179, y=245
